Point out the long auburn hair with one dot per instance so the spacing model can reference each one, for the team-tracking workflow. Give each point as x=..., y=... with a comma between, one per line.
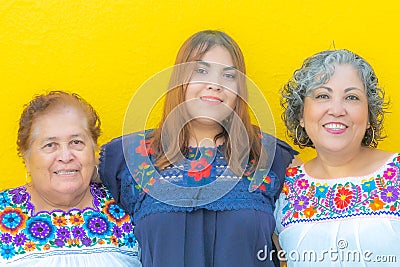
x=237, y=152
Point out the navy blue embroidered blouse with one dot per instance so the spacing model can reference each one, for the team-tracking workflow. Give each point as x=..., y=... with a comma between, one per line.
x=187, y=213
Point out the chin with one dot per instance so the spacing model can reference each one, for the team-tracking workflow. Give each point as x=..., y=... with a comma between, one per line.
x=70, y=187
x=208, y=121
x=332, y=148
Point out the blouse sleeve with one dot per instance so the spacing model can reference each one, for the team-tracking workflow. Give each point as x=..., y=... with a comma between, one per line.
x=281, y=202
x=282, y=157
x=115, y=175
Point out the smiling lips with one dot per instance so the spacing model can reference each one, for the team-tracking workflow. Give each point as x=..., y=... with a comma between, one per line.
x=335, y=128
x=211, y=99
x=66, y=172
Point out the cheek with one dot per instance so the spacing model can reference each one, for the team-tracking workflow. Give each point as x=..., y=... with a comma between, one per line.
x=364, y=115
x=358, y=114
x=192, y=91
x=232, y=87
x=88, y=162
x=37, y=162
x=305, y=116
x=233, y=100
x=312, y=112
x=188, y=96
x=88, y=158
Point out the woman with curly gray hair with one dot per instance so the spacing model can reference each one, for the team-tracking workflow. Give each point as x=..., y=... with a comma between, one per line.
x=346, y=199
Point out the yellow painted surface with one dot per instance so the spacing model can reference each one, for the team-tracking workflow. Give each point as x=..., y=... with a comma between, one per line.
x=104, y=50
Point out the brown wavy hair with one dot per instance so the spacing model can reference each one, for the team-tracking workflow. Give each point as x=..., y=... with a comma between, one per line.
x=240, y=127
x=40, y=104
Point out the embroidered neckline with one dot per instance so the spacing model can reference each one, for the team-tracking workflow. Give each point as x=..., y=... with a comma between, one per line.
x=373, y=173
x=22, y=232
x=310, y=200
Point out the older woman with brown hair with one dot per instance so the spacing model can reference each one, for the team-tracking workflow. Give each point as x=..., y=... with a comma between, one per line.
x=61, y=217
x=201, y=187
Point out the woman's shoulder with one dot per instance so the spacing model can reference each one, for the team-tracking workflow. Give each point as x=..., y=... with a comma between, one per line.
x=382, y=156
x=279, y=151
x=13, y=196
x=373, y=160
x=100, y=191
x=116, y=149
x=126, y=139
x=270, y=140
x=384, y=161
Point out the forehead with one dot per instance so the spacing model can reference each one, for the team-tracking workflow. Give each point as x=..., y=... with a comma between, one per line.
x=345, y=74
x=59, y=122
x=341, y=75
x=218, y=54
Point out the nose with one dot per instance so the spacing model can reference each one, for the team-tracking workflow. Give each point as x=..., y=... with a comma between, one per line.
x=214, y=80
x=65, y=154
x=337, y=108
x=214, y=86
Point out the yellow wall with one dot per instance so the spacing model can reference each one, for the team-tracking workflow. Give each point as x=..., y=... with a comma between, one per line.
x=105, y=49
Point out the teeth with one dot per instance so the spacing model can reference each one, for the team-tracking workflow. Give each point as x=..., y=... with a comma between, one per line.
x=335, y=126
x=210, y=99
x=65, y=172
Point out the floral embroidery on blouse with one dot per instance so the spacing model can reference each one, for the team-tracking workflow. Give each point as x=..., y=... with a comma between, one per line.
x=265, y=184
x=262, y=184
x=144, y=176
x=199, y=168
x=311, y=200
x=23, y=232
x=144, y=147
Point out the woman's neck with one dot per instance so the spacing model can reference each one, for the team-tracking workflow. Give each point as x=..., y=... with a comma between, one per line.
x=204, y=134
x=362, y=162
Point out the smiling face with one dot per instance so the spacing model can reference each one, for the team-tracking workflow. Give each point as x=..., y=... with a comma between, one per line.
x=61, y=157
x=211, y=95
x=336, y=114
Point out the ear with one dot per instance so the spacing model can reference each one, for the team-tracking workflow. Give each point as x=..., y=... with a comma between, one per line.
x=27, y=165
x=302, y=122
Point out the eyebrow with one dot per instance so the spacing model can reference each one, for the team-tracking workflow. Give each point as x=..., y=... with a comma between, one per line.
x=345, y=90
x=52, y=138
x=207, y=64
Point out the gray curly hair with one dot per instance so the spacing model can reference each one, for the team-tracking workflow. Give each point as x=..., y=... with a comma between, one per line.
x=316, y=71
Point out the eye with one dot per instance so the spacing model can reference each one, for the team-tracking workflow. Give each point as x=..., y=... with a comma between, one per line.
x=352, y=97
x=230, y=76
x=49, y=147
x=321, y=96
x=201, y=70
x=77, y=144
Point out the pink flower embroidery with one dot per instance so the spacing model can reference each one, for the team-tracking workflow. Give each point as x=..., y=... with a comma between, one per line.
x=390, y=173
x=144, y=148
x=199, y=169
x=302, y=183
